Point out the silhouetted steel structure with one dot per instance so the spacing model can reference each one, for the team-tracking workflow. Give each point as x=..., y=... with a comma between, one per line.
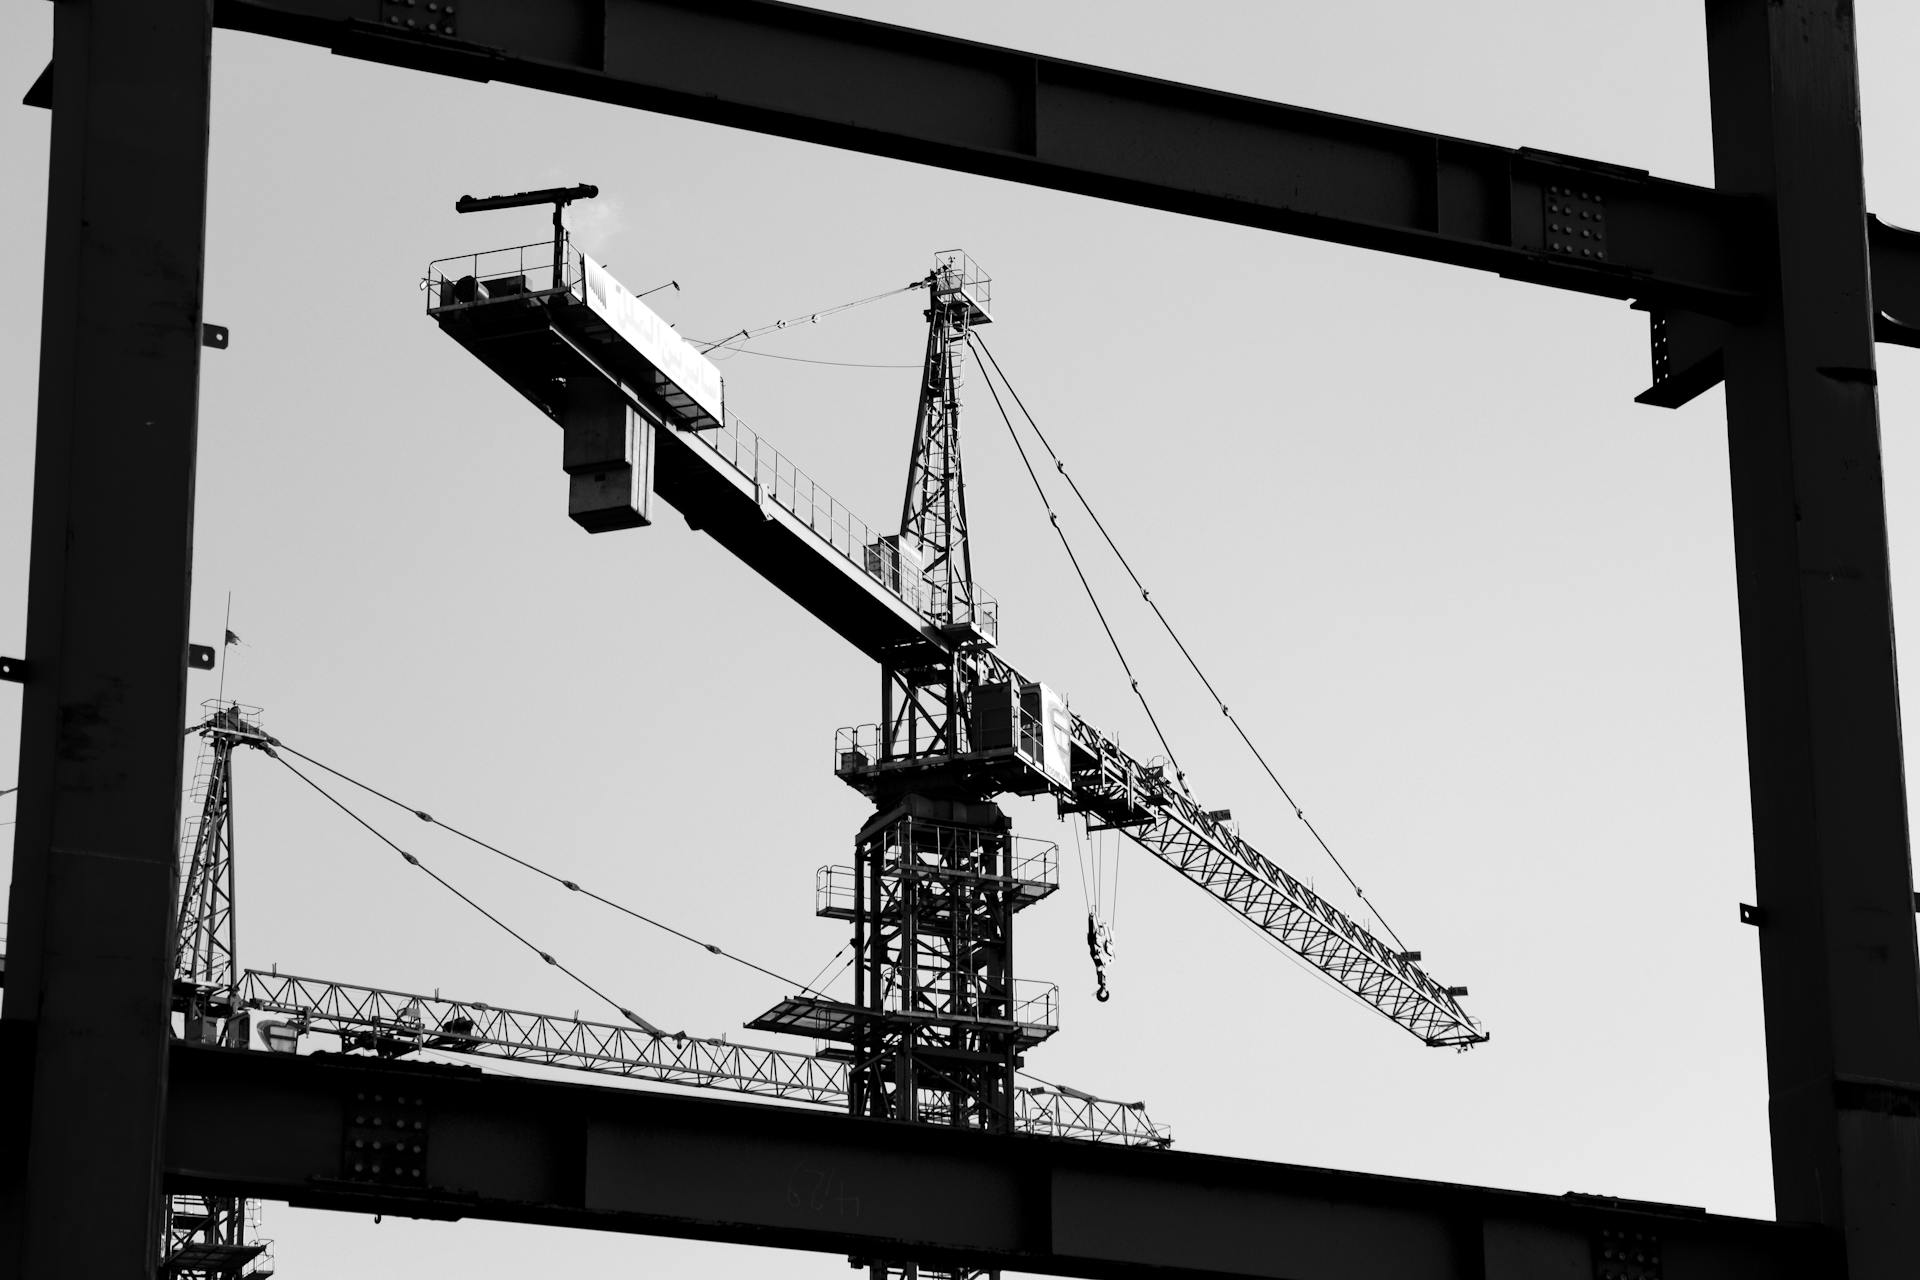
x=212, y=1237
x=1775, y=279
x=399, y=1024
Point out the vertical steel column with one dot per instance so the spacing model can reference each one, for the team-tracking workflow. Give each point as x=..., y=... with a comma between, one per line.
x=96, y=845
x=1837, y=953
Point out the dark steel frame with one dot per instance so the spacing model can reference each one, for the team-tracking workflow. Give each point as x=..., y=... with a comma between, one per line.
x=1776, y=278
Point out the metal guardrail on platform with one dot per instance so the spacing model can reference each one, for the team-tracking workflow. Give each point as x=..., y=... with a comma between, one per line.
x=778, y=480
x=501, y=275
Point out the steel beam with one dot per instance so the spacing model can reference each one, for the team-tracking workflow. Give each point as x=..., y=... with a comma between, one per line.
x=91, y=906
x=893, y=91
x=303, y=1129
x=1555, y=220
x=1837, y=950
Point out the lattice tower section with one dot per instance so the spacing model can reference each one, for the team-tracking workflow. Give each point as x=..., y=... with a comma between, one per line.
x=937, y=886
x=204, y=938
x=933, y=518
x=211, y=1237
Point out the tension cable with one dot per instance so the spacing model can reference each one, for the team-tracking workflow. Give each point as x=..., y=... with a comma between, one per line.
x=808, y=317
x=446, y=884
x=570, y=885
x=1053, y=518
x=1145, y=595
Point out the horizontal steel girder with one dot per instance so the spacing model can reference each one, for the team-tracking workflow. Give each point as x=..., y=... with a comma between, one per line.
x=283, y=1127
x=1530, y=215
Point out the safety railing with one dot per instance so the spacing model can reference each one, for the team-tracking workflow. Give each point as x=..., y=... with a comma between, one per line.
x=1033, y=1006
x=957, y=277
x=504, y=275
x=776, y=479
x=856, y=748
x=1035, y=865
x=1036, y=862
x=834, y=892
x=1036, y=1004
x=859, y=747
x=262, y=1264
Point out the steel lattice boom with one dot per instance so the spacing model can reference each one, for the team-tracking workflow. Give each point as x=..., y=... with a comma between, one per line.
x=394, y=1024
x=1173, y=827
x=1049, y=749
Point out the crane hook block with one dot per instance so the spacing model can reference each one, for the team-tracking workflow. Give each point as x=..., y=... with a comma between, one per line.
x=1100, y=948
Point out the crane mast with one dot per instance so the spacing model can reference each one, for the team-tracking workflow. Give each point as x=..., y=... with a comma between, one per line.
x=937, y=1026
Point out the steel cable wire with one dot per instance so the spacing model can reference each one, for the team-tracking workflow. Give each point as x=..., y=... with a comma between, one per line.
x=807, y=317
x=1054, y=518
x=1061, y=467
x=448, y=885
x=570, y=885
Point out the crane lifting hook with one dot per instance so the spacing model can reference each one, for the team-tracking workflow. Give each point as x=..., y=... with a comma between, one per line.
x=1100, y=947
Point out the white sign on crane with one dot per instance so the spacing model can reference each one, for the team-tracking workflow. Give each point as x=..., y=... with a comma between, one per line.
x=688, y=381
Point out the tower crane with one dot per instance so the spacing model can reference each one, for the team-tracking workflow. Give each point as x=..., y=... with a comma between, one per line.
x=938, y=1023
x=643, y=415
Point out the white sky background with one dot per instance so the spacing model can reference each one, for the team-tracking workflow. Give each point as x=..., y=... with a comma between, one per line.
x=1475, y=603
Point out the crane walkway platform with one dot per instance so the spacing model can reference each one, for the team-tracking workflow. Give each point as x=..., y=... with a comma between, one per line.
x=1034, y=1017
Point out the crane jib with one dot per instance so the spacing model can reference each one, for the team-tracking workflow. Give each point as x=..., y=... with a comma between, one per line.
x=395, y=1024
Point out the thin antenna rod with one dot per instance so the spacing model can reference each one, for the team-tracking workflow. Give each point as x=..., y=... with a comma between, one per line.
x=226, y=643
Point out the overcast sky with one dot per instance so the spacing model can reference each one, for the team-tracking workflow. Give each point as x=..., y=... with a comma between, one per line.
x=1475, y=604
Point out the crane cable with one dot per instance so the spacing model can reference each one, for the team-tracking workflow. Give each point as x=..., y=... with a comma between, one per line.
x=1061, y=467
x=813, y=983
x=1095, y=884
x=1054, y=518
x=570, y=885
x=808, y=317
x=444, y=883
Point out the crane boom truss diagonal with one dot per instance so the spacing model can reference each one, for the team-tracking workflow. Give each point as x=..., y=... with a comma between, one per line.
x=1289, y=912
